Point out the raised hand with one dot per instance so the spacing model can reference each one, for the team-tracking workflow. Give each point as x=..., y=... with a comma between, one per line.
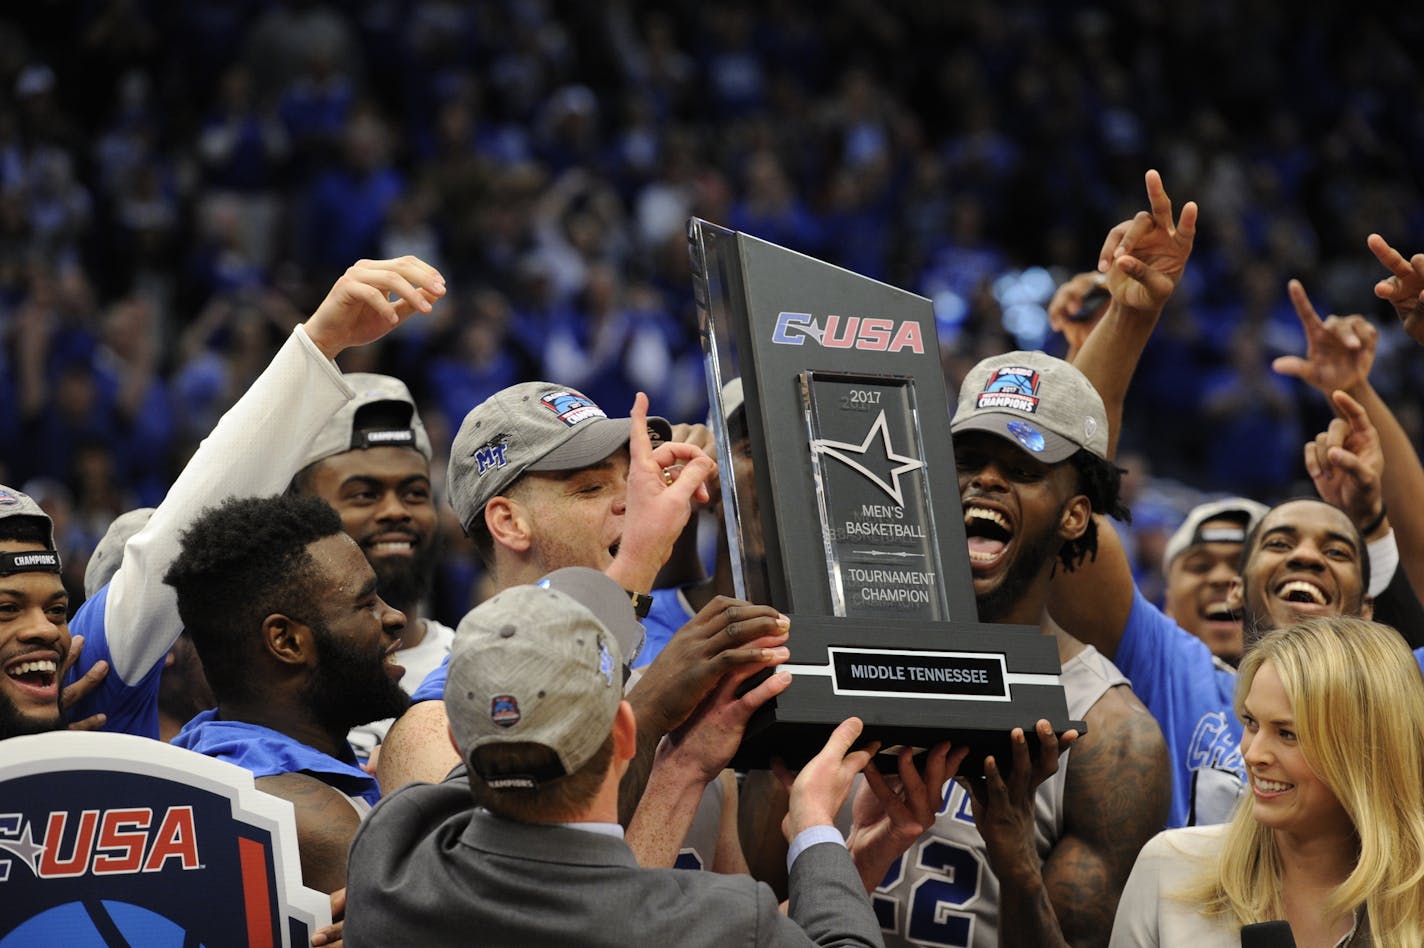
x=358, y=310
x=725, y=634
x=1346, y=462
x=1144, y=258
x=887, y=816
x=821, y=787
x=1339, y=350
x=1004, y=806
x=707, y=740
x=1404, y=288
x=663, y=483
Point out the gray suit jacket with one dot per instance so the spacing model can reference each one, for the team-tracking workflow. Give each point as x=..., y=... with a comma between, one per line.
x=427, y=868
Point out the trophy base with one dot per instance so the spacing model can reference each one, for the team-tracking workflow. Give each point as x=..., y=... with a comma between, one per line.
x=919, y=684
x=796, y=742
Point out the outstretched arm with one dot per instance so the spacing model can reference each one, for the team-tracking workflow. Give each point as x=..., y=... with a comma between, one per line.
x=254, y=449
x=827, y=900
x=889, y=816
x=1004, y=805
x=1143, y=259
x=690, y=758
x=1339, y=353
x=1092, y=603
x=720, y=638
x=1115, y=798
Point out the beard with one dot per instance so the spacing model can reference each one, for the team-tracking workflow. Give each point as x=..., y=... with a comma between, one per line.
x=15, y=724
x=1021, y=574
x=351, y=686
x=404, y=581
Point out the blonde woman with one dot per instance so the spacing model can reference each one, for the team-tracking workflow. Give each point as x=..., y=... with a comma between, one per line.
x=1331, y=837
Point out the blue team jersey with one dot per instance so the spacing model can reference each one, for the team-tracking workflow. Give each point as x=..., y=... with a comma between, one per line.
x=432, y=687
x=668, y=614
x=266, y=753
x=1173, y=674
x=132, y=708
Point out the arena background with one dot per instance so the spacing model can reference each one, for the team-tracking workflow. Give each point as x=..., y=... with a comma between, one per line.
x=181, y=181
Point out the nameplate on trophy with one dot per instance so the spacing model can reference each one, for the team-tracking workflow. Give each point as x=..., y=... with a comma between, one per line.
x=949, y=675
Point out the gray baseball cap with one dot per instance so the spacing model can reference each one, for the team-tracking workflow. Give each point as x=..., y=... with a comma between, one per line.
x=108, y=556
x=607, y=600
x=341, y=434
x=538, y=665
x=533, y=426
x=1243, y=513
x=1040, y=403
x=14, y=503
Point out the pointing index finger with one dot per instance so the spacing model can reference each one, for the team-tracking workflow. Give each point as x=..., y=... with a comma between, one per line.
x=1392, y=259
x=1309, y=318
x=1352, y=411
x=639, y=444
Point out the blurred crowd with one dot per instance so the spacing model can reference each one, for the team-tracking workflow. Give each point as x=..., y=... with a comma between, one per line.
x=180, y=181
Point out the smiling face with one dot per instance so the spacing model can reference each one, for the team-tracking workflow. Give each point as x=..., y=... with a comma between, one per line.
x=1305, y=560
x=1198, y=585
x=383, y=496
x=576, y=517
x=34, y=640
x=1286, y=793
x=355, y=680
x=1018, y=513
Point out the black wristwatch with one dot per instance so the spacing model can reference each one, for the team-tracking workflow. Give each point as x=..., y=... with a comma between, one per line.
x=642, y=603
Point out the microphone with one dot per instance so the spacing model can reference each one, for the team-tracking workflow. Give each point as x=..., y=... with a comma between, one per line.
x=1267, y=935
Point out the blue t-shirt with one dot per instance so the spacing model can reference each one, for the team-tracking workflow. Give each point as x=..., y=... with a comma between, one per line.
x=432, y=686
x=132, y=708
x=668, y=614
x=1191, y=697
x=1419, y=657
x=266, y=753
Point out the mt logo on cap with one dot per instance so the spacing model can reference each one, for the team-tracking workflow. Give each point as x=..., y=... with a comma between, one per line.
x=491, y=455
x=1011, y=386
x=8, y=499
x=571, y=407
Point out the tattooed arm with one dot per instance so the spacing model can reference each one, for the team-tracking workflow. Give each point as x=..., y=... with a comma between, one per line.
x=326, y=822
x=1115, y=799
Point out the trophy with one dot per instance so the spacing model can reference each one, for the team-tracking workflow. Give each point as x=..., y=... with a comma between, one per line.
x=842, y=510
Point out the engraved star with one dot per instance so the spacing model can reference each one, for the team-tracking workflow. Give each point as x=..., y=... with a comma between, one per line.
x=25, y=848
x=846, y=454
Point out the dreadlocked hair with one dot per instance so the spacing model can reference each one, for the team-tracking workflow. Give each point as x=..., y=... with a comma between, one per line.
x=1100, y=481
